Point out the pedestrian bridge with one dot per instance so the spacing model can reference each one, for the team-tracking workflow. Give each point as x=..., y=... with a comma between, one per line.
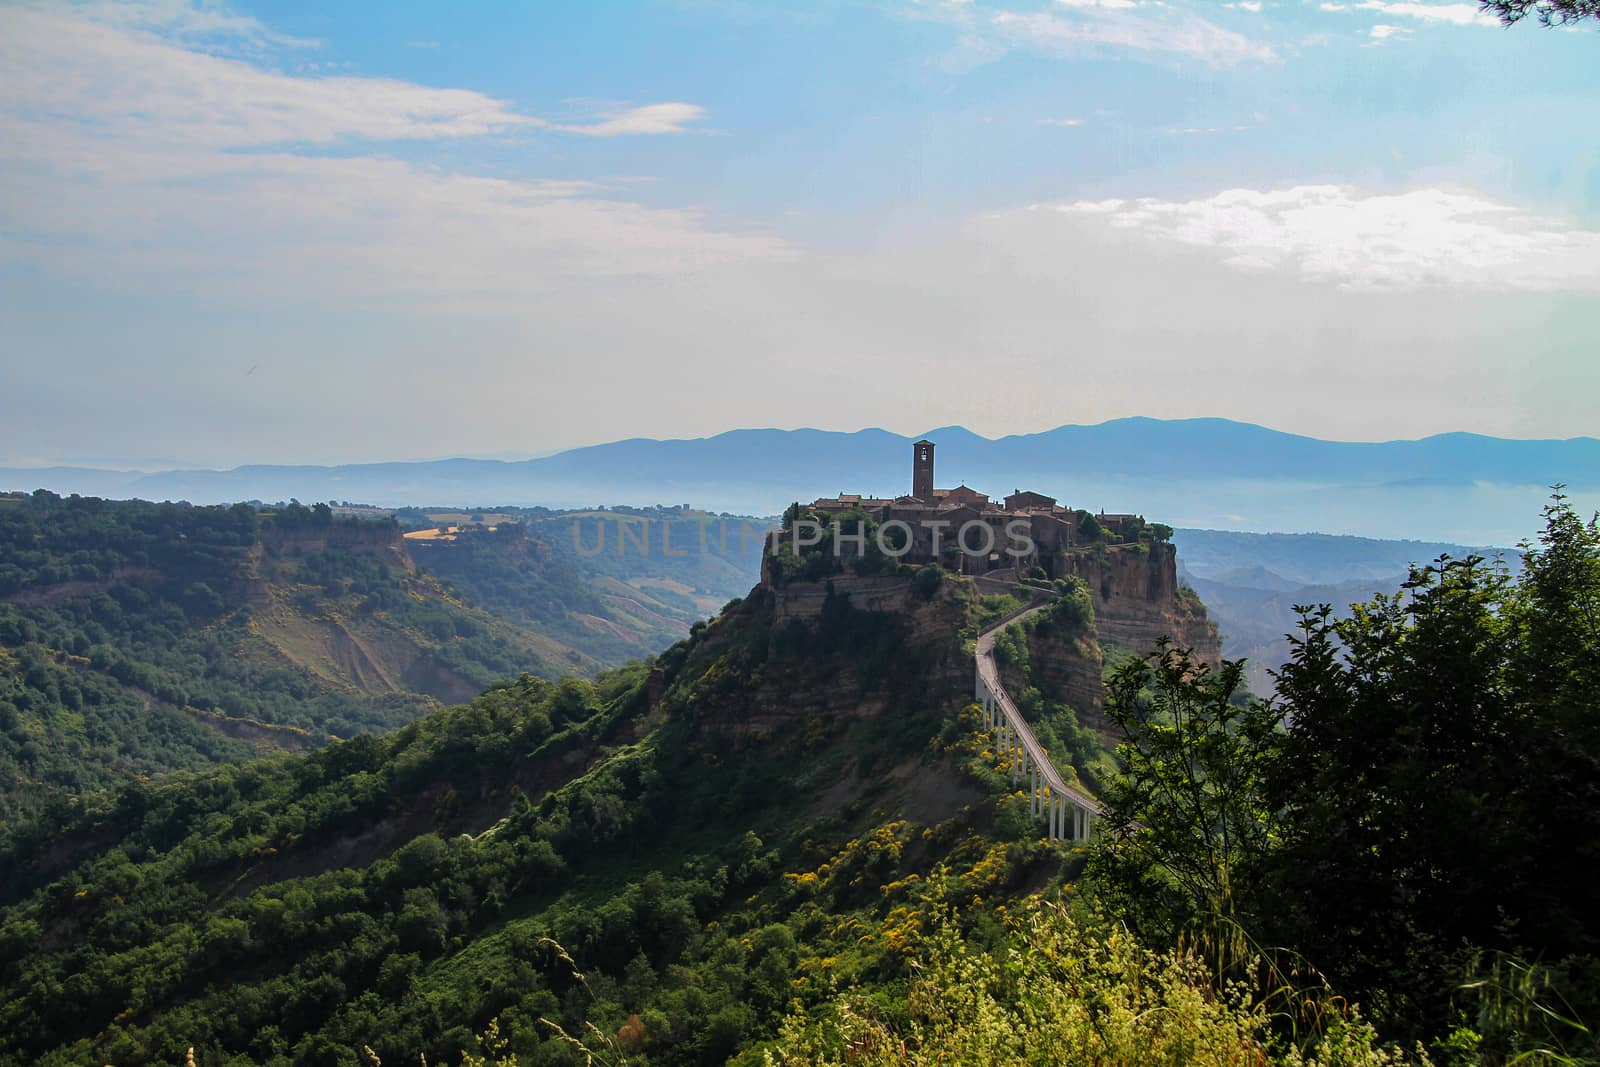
x=1067, y=810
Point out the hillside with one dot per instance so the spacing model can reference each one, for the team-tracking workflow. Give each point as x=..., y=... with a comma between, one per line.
x=700, y=835
x=791, y=839
x=1289, y=560
x=615, y=584
x=1196, y=472
x=769, y=808
x=137, y=638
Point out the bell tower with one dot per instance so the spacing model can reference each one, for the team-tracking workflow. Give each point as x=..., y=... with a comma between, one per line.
x=922, y=471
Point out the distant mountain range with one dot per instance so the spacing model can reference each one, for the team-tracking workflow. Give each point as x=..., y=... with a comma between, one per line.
x=1211, y=473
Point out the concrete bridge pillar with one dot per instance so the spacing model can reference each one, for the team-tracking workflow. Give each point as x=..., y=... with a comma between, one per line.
x=1044, y=805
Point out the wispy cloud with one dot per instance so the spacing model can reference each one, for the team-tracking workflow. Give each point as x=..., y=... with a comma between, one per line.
x=126, y=146
x=1236, y=128
x=1447, y=14
x=102, y=79
x=1169, y=31
x=108, y=70
x=1423, y=238
x=1078, y=28
x=652, y=118
x=1452, y=14
x=194, y=23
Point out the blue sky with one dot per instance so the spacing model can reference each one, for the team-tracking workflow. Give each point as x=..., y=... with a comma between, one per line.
x=283, y=233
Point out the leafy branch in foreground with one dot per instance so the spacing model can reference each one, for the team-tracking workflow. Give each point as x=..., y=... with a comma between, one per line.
x=1186, y=814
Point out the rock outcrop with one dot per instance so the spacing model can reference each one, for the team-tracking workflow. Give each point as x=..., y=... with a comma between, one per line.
x=824, y=654
x=1137, y=601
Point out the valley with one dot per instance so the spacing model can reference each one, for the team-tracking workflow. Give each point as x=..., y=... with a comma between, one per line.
x=460, y=784
x=139, y=638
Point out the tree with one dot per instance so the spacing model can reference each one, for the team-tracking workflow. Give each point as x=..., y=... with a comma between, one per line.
x=1186, y=815
x=1089, y=527
x=1556, y=668
x=1548, y=12
x=1397, y=787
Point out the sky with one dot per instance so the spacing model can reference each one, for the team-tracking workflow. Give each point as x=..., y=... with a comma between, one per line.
x=308, y=233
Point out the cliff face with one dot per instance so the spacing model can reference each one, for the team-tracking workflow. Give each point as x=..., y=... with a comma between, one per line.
x=922, y=619
x=1066, y=667
x=1137, y=600
x=826, y=654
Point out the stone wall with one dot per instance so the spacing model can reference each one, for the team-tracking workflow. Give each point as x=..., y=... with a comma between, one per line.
x=803, y=600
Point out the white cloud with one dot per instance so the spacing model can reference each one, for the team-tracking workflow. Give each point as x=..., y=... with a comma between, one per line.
x=1383, y=31
x=192, y=22
x=1076, y=28
x=652, y=118
x=123, y=149
x=108, y=74
x=1252, y=6
x=1426, y=238
x=1061, y=122
x=1096, y=28
x=1453, y=14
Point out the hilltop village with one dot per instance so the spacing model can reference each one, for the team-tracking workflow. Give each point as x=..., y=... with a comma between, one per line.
x=873, y=552
x=967, y=531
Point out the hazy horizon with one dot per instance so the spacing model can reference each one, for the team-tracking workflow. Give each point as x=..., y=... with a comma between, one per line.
x=276, y=233
x=147, y=465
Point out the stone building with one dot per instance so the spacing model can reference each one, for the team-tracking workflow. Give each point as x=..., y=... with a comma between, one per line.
x=964, y=528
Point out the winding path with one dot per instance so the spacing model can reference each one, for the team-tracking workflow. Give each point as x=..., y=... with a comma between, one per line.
x=1068, y=810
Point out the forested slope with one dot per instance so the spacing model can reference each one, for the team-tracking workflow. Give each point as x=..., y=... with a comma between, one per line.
x=137, y=638
x=703, y=848
x=788, y=837
x=615, y=584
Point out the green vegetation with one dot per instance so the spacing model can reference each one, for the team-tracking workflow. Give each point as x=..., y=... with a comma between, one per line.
x=609, y=585
x=295, y=909
x=793, y=843
x=1089, y=528
x=137, y=638
x=1414, y=816
x=848, y=540
x=1065, y=621
x=1055, y=990
x=1191, y=774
